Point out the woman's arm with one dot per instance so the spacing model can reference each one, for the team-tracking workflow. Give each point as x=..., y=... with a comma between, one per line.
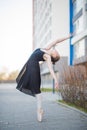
x=57, y=41
x=49, y=63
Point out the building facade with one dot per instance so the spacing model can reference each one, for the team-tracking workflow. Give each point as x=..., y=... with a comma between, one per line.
x=78, y=25
x=50, y=21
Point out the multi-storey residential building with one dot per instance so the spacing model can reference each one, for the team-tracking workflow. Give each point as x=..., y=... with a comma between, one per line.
x=50, y=21
x=78, y=25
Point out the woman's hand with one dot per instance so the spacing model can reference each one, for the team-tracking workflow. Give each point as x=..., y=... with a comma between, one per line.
x=71, y=35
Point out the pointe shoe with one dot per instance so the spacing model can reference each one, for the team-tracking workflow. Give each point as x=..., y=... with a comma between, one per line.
x=40, y=115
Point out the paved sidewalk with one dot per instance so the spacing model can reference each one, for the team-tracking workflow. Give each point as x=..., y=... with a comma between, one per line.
x=18, y=112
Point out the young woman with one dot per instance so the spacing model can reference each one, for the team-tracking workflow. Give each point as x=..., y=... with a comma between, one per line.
x=29, y=80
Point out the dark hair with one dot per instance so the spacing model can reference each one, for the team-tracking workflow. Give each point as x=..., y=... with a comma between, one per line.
x=55, y=59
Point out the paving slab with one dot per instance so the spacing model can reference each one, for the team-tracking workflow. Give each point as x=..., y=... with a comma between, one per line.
x=18, y=112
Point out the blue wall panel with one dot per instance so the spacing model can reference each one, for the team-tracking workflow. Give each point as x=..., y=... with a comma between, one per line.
x=71, y=30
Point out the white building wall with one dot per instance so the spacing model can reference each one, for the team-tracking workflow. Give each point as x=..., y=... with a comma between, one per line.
x=51, y=21
x=79, y=40
x=60, y=24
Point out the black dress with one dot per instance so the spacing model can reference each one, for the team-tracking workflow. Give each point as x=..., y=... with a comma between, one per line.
x=29, y=80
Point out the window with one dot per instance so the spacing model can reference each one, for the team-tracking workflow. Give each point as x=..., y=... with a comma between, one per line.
x=74, y=8
x=79, y=49
x=77, y=5
x=74, y=28
x=78, y=26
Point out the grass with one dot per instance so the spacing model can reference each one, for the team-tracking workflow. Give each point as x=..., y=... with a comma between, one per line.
x=48, y=90
x=73, y=105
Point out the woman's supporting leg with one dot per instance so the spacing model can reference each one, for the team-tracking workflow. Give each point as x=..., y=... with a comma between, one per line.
x=39, y=101
x=39, y=107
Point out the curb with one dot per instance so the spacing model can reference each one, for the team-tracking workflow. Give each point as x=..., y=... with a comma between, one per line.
x=75, y=109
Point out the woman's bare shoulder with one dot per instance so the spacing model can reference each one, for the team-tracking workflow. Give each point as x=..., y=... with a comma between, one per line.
x=46, y=56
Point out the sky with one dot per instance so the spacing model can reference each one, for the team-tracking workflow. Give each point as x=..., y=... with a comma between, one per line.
x=15, y=33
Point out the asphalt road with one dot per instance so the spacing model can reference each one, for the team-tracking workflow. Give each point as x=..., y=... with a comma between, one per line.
x=18, y=112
